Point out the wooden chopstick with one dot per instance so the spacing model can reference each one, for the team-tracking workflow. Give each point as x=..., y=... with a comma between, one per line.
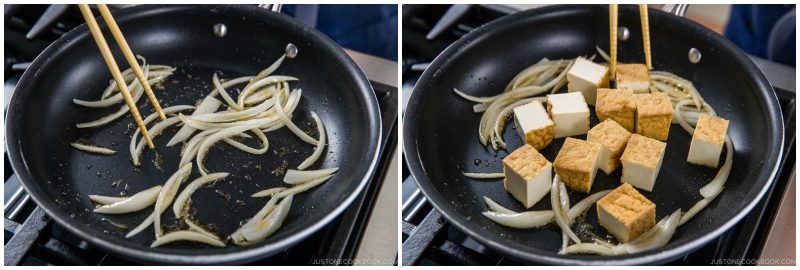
x=645, y=34
x=126, y=50
x=112, y=66
x=612, y=14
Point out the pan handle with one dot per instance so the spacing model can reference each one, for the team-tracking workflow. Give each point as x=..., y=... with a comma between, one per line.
x=273, y=7
x=675, y=9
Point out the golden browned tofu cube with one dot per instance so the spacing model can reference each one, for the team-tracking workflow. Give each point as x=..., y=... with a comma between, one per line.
x=641, y=161
x=635, y=77
x=617, y=105
x=626, y=213
x=612, y=139
x=653, y=115
x=707, y=141
x=527, y=175
x=576, y=164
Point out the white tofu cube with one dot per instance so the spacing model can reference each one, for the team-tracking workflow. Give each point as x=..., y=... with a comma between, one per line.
x=569, y=113
x=534, y=125
x=528, y=175
x=586, y=76
x=641, y=161
x=635, y=77
x=707, y=141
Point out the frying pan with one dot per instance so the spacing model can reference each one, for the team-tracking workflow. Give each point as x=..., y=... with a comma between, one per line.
x=441, y=129
x=41, y=123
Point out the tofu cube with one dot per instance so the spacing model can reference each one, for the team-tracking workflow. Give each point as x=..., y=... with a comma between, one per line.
x=534, y=124
x=528, y=175
x=576, y=164
x=586, y=76
x=569, y=113
x=707, y=141
x=635, y=77
x=626, y=213
x=612, y=139
x=617, y=105
x=653, y=115
x=641, y=161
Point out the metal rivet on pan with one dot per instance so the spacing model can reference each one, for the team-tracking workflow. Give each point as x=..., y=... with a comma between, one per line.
x=220, y=30
x=623, y=33
x=291, y=50
x=694, y=55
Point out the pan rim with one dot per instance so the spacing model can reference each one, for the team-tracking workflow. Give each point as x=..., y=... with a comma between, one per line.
x=373, y=119
x=418, y=171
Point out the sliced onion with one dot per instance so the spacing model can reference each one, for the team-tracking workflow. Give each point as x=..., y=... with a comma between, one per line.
x=187, y=236
x=524, y=220
x=294, y=177
x=563, y=198
x=483, y=175
x=291, y=125
x=554, y=201
x=261, y=95
x=660, y=238
x=208, y=105
x=269, y=225
x=193, y=146
x=150, y=118
x=715, y=187
x=474, y=98
x=588, y=248
x=264, y=73
x=201, y=154
x=233, y=116
x=303, y=187
x=248, y=149
x=107, y=119
x=106, y=199
x=93, y=149
x=268, y=192
x=147, y=221
x=225, y=96
x=320, y=145
x=198, y=229
x=697, y=207
x=584, y=204
x=167, y=194
x=134, y=203
x=154, y=132
x=496, y=207
x=182, y=201
x=266, y=210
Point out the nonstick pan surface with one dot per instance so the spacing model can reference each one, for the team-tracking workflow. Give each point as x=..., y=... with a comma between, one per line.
x=441, y=130
x=41, y=123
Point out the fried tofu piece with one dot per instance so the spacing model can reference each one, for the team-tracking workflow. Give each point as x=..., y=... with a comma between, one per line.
x=534, y=124
x=569, y=113
x=586, y=76
x=641, y=161
x=617, y=105
x=528, y=175
x=626, y=213
x=633, y=76
x=576, y=164
x=612, y=139
x=653, y=115
x=707, y=141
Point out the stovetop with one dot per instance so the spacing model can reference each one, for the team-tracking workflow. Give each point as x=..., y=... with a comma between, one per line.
x=428, y=239
x=31, y=238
